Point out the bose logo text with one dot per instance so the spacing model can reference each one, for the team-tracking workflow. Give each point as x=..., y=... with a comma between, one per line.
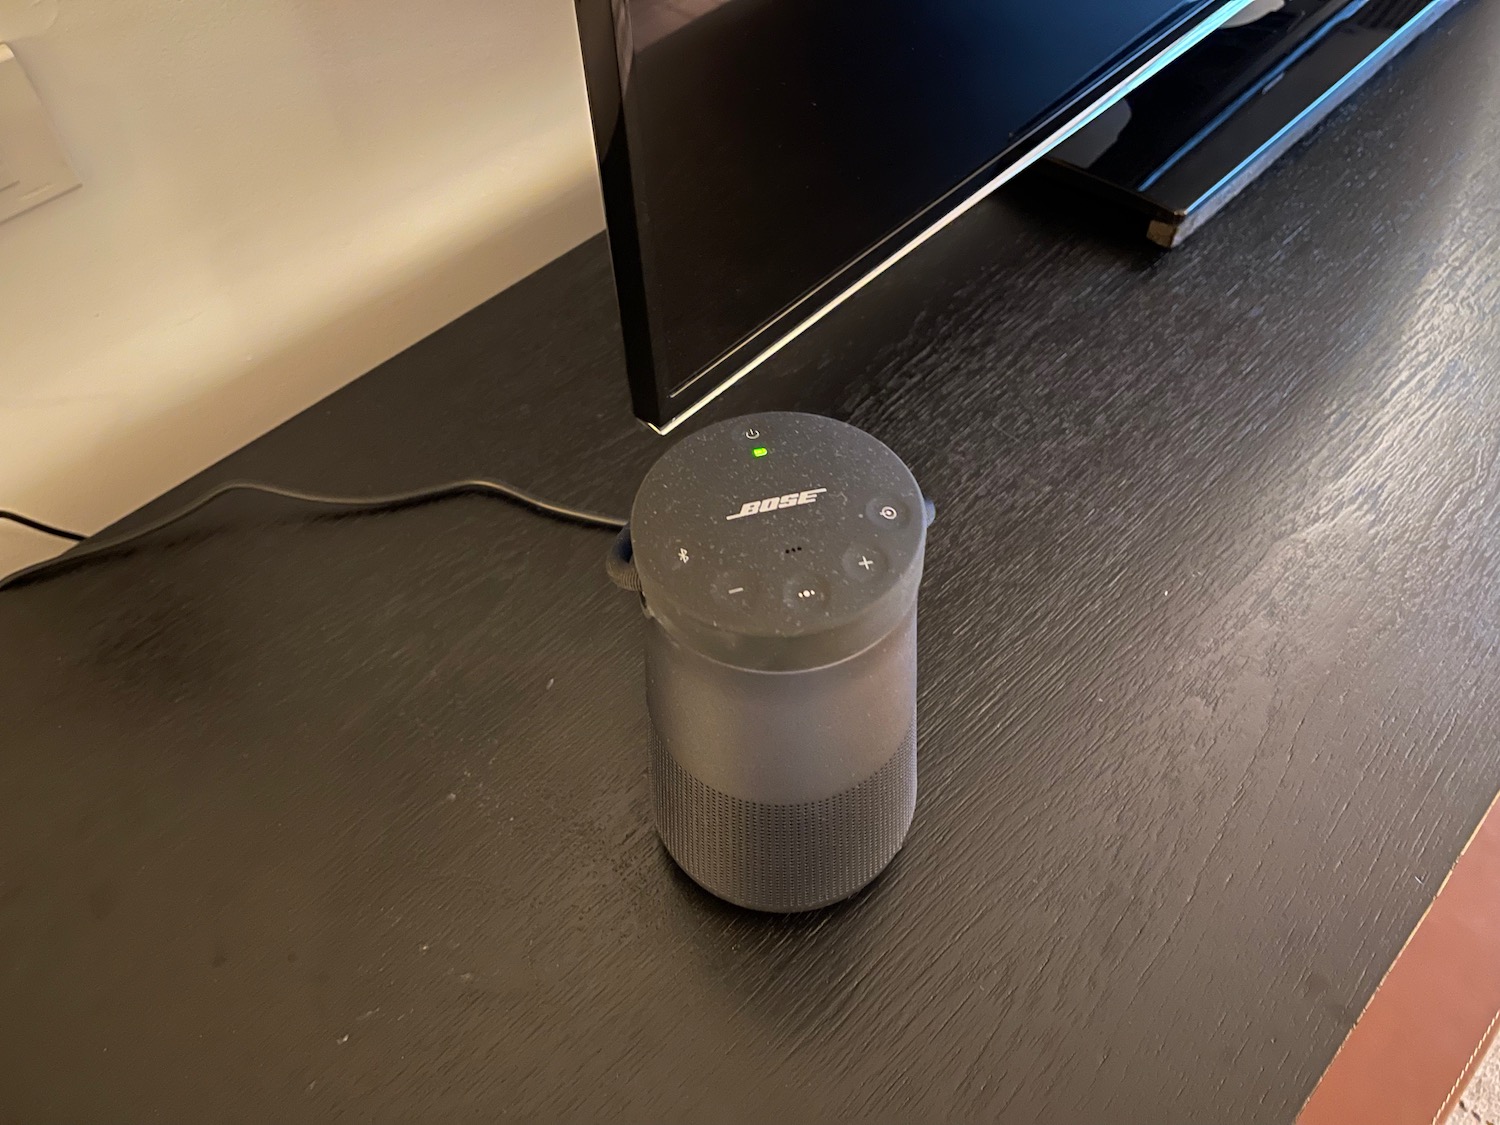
x=776, y=503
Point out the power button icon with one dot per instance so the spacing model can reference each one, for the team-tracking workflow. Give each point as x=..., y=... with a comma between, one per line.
x=752, y=435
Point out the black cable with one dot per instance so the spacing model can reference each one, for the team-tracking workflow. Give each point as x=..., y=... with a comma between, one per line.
x=350, y=504
x=38, y=525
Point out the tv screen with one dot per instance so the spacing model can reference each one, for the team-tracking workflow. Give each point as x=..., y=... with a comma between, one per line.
x=762, y=158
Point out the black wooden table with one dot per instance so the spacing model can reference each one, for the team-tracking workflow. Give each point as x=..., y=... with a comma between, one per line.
x=312, y=819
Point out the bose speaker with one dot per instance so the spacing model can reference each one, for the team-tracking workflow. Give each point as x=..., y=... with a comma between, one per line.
x=778, y=558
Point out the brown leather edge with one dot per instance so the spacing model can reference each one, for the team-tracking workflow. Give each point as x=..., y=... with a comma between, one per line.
x=1419, y=1039
x=1474, y=1060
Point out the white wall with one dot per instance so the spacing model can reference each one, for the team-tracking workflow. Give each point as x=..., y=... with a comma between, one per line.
x=277, y=195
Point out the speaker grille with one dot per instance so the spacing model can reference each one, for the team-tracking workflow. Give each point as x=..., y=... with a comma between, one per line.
x=785, y=857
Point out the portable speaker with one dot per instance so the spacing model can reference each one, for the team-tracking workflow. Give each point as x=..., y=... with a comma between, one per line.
x=778, y=558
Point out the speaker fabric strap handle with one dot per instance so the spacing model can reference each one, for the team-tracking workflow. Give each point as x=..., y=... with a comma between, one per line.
x=619, y=564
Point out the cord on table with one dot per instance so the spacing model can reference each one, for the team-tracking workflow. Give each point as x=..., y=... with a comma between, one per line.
x=38, y=525
x=351, y=504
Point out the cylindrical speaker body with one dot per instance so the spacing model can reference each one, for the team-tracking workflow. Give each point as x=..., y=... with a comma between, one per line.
x=783, y=790
x=779, y=559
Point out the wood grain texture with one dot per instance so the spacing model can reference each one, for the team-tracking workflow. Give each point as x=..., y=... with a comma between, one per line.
x=321, y=819
x=1400, y=1064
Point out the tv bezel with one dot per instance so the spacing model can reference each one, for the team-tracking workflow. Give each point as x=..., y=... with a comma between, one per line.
x=604, y=38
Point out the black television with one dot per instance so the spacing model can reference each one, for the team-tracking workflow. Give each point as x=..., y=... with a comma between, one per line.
x=762, y=160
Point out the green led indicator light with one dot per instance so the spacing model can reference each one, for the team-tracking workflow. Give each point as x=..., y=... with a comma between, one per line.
x=760, y=451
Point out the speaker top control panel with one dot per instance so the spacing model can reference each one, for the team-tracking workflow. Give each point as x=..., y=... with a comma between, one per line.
x=779, y=540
